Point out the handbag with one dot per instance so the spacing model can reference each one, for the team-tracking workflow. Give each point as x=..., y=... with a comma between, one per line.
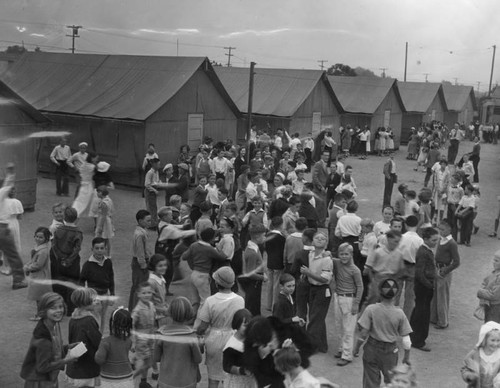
x=479, y=312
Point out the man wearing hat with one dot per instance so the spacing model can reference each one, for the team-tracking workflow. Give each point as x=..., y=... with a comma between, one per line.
x=60, y=156
x=183, y=181
x=77, y=160
x=382, y=324
x=170, y=183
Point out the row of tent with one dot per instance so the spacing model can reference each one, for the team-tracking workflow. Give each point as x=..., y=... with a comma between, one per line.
x=120, y=103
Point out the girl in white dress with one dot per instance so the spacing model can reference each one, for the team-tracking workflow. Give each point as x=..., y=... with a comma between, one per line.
x=86, y=191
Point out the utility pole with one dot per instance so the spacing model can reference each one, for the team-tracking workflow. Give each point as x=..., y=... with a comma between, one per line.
x=74, y=34
x=478, y=83
x=177, y=47
x=492, y=66
x=383, y=71
x=406, y=60
x=426, y=75
x=229, y=55
x=249, y=110
x=456, y=80
x=321, y=63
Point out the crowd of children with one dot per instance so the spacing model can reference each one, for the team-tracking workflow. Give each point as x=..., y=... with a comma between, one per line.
x=249, y=222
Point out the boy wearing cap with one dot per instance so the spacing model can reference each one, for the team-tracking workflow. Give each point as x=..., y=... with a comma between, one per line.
x=382, y=324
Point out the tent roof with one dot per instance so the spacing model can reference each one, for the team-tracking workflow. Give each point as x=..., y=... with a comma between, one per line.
x=112, y=86
x=363, y=94
x=277, y=92
x=9, y=97
x=418, y=96
x=457, y=95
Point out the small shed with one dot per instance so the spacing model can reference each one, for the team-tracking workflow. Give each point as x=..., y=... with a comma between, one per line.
x=424, y=102
x=120, y=103
x=490, y=107
x=296, y=100
x=461, y=102
x=370, y=101
x=18, y=120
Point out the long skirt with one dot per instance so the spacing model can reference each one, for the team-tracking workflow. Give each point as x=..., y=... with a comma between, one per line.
x=84, y=197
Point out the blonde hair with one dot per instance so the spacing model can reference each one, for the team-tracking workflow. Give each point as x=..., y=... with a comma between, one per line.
x=83, y=296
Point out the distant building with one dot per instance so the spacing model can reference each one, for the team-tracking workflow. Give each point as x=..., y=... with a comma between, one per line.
x=490, y=107
x=18, y=120
x=120, y=103
x=300, y=101
x=424, y=102
x=370, y=101
x=461, y=103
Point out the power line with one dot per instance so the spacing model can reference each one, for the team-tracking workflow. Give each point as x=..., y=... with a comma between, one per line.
x=321, y=63
x=229, y=55
x=74, y=34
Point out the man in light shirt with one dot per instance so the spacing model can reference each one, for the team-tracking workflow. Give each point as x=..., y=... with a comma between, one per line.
x=7, y=242
x=348, y=229
x=409, y=244
x=60, y=156
x=77, y=160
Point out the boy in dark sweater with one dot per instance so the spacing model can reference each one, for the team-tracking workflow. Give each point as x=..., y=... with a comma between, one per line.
x=275, y=248
x=97, y=273
x=284, y=307
x=65, y=256
x=253, y=269
x=200, y=256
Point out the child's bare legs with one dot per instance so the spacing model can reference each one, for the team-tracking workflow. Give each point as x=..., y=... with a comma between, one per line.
x=213, y=383
x=108, y=247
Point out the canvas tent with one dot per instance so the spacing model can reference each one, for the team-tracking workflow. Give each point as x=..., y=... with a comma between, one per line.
x=296, y=100
x=370, y=101
x=461, y=103
x=18, y=120
x=120, y=103
x=424, y=102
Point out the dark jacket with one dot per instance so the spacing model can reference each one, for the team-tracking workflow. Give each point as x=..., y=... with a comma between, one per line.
x=275, y=246
x=84, y=327
x=40, y=363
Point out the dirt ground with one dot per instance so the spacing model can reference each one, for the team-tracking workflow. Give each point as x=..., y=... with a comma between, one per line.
x=439, y=368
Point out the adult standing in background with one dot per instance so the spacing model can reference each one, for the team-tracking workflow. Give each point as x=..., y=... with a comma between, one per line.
x=151, y=182
x=320, y=175
x=60, y=156
x=7, y=242
x=456, y=136
x=475, y=158
x=425, y=272
x=447, y=260
x=76, y=161
x=390, y=179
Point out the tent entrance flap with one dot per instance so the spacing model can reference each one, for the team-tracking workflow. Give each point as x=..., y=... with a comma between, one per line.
x=195, y=130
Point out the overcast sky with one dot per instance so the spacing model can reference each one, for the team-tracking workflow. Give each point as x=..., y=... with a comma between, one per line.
x=447, y=39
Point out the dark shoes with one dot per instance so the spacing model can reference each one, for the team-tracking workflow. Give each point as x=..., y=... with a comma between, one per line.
x=343, y=362
x=338, y=355
x=492, y=234
x=19, y=285
x=439, y=327
x=423, y=348
x=476, y=229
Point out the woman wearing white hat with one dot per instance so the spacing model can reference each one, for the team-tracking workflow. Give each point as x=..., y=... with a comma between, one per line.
x=216, y=316
x=86, y=191
x=101, y=178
